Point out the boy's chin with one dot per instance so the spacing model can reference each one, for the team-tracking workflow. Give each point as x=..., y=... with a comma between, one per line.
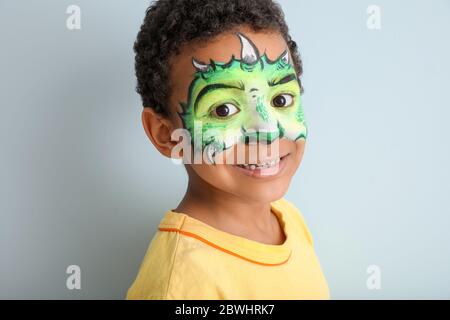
x=263, y=194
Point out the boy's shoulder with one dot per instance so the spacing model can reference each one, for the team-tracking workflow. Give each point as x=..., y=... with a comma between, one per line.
x=173, y=263
x=151, y=280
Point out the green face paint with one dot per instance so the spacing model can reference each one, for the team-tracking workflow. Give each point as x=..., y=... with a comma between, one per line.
x=249, y=99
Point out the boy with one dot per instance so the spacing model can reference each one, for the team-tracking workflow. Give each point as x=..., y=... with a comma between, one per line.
x=227, y=73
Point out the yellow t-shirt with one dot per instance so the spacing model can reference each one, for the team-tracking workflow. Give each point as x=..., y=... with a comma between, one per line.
x=189, y=259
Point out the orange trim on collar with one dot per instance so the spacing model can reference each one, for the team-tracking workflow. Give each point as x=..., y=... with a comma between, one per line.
x=193, y=235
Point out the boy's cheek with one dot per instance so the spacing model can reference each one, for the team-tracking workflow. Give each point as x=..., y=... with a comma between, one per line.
x=299, y=150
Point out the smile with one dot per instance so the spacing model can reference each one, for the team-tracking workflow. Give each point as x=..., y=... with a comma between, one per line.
x=267, y=168
x=267, y=164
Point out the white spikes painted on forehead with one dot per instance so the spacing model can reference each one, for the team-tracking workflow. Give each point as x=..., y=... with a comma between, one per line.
x=249, y=53
x=199, y=66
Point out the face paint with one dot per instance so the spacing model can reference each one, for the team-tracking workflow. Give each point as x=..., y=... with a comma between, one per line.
x=244, y=100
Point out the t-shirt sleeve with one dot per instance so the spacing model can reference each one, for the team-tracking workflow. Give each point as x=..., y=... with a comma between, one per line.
x=192, y=277
x=152, y=280
x=174, y=268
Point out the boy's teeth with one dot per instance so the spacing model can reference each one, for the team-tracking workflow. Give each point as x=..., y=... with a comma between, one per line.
x=266, y=164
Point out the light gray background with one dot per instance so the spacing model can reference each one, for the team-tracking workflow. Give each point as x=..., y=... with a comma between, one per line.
x=81, y=184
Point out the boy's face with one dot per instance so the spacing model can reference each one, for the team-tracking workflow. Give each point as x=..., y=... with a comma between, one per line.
x=238, y=96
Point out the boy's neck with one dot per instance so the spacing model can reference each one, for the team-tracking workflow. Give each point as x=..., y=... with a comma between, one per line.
x=230, y=213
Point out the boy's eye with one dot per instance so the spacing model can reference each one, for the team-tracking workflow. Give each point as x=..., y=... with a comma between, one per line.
x=225, y=110
x=282, y=100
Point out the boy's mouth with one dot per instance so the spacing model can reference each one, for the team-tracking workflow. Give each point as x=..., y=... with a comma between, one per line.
x=265, y=168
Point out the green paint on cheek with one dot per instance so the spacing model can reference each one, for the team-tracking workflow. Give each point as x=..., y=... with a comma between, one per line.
x=299, y=116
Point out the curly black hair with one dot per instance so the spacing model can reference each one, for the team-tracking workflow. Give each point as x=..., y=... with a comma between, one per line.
x=168, y=24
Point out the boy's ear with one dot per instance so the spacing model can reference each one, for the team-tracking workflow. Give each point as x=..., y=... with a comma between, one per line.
x=159, y=129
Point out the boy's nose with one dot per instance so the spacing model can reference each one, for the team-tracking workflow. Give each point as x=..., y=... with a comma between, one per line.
x=261, y=136
x=261, y=127
x=260, y=130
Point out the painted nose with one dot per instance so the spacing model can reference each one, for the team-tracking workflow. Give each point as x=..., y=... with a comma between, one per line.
x=261, y=128
x=260, y=136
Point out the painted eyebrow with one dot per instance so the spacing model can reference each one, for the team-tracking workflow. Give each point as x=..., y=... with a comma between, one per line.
x=285, y=79
x=217, y=86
